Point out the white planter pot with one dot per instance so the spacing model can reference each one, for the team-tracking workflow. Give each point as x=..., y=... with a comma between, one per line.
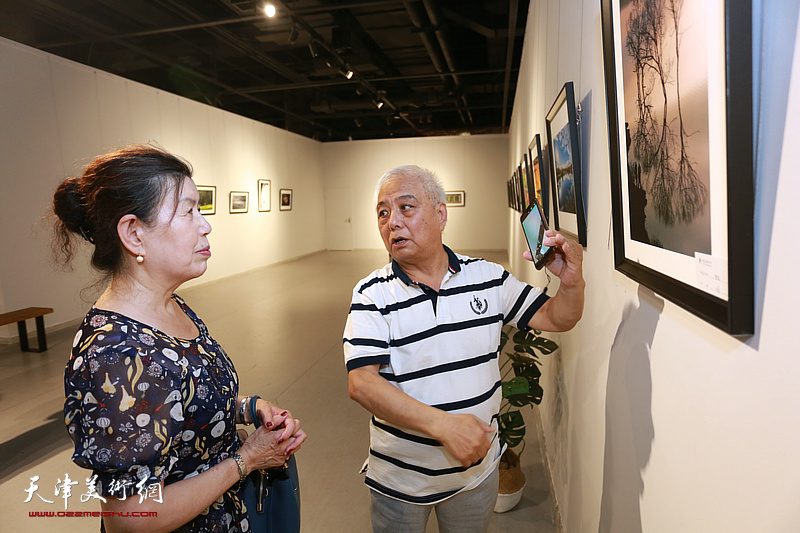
x=506, y=502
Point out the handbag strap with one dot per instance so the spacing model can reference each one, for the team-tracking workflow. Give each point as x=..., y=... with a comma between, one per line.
x=253, y=413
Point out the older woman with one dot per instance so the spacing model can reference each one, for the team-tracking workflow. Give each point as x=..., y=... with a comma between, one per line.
x=152, y=400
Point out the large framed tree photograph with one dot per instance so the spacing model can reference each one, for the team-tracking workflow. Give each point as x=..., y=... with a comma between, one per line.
x=679, y=96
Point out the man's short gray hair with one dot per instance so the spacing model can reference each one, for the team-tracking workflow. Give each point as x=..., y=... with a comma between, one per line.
x=430, y=183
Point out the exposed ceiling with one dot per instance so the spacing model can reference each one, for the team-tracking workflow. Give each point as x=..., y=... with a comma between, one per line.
x=436, y=67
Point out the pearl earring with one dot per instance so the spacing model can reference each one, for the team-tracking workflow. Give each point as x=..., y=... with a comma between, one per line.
x=140, y=259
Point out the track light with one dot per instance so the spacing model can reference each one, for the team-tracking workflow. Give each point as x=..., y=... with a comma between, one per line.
x=294, y=35
x=357, y=122
x=270, y=10
x=379, y=104
x=311, y=49
x=346, y=72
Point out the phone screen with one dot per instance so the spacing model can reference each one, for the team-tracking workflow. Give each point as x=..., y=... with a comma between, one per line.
x=534, y=227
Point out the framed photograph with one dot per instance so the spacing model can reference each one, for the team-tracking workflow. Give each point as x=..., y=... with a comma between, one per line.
x=525, y=178
x=510, y=194
x=522, y=201
x=208, y=199
x=264, y=190
x=454, y=198
x=681, y=147
x=239, y=202
x=565, y=165
x=537, y=174
x=286, y=200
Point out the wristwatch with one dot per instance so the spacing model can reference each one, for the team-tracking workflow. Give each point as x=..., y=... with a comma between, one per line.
x=242, y=467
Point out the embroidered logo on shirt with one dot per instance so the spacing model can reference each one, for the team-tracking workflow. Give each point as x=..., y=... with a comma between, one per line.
x=479, y=307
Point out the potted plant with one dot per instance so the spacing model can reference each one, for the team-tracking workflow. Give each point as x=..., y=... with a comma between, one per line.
x=519, y=390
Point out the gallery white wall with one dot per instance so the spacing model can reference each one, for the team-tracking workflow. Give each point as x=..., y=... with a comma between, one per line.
x=655, y=420
x=473, y=164
x=55, y=115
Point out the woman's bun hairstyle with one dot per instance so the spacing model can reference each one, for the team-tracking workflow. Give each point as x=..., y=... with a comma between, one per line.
x=132, y=180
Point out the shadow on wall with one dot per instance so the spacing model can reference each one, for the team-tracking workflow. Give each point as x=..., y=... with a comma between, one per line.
x=629, y=420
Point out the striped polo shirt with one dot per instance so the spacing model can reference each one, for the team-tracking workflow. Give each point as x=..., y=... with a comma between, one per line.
x=441, y=349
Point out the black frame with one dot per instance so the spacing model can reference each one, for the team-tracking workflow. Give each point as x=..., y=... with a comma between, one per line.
x=566, y=97
x=534, y=152
x=520, y=190
x=736, y=315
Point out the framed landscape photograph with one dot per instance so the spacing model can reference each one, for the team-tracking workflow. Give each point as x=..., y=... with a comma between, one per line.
x=565, y=165
x=454, y=198
x=679, y=87
x=286, y=200
x=208, y=199
x=264, y=189
x=239, y=201
x=537, y=173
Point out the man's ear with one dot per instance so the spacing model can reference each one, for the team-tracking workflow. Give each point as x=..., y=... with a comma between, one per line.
x=129, y=230
x=441, y=209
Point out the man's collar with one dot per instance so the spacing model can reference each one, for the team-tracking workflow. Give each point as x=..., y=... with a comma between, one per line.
x=452, y=264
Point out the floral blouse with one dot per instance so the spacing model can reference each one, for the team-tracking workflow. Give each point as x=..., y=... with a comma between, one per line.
x=143, y=407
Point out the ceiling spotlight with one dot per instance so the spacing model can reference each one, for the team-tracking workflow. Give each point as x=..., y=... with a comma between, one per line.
x=270, y=10
x=357, y=122
x=378, y=104
x=346, y=72
x=294, y=35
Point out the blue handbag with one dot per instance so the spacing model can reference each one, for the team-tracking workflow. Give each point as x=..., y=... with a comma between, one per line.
x=272, y=496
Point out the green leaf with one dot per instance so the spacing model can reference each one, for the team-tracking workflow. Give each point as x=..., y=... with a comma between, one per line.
x=511, y=427
x=546, y=346
x=514, y=386
x=522, y=337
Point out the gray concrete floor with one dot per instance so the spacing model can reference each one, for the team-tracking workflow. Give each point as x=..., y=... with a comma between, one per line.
x=282, y=326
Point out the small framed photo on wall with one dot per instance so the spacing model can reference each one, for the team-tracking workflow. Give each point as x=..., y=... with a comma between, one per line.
x=454, y=198
x=208, y=199
x=286, y=200
x=239, y=201
x=264, y=190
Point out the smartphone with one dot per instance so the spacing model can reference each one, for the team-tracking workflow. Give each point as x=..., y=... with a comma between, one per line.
x=534, y=226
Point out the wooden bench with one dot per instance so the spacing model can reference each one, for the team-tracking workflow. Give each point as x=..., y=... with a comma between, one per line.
x=20, y=317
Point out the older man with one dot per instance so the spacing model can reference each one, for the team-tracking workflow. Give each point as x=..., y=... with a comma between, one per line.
x=421, y=347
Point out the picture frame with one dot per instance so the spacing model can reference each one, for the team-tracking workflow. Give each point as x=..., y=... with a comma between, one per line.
x=527, y=189
x=285, y=199
x=565, y=165
x=521, y=200
x=513, y=184
x=239, y=202
x=510, y=193
x=264, y=195
x=207, y=203
x=454, y=198
x=538, y=175
x=678, y=240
